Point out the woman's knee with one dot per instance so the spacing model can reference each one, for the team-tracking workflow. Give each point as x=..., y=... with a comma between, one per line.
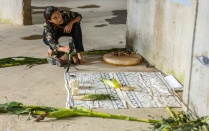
x=76, y=25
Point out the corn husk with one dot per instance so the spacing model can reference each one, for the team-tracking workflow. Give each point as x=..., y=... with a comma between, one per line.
x=74, y=86
x=127, y=88
x=92, y=97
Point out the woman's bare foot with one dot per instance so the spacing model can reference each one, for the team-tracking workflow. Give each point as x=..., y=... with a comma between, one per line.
x=82, y=61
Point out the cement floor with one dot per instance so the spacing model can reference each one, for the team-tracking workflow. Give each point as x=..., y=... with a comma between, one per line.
x=103, y=27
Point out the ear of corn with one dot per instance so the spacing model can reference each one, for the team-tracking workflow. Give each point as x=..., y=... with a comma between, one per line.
x=112, y=83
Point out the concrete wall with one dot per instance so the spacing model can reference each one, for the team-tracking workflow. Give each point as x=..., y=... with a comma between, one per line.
x=196, y=92
x=161, y=31
x=16, y=12
x=172, y=35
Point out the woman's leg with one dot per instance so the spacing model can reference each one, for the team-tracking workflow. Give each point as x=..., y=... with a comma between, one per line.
x=78, y=41
x=77, y=37
x=76, y=34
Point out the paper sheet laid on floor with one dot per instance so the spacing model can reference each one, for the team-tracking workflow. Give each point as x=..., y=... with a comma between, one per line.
x=90, y=84
x=173, y=83
x=151, y=90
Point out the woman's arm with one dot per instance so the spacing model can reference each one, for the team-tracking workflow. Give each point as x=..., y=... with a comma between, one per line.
x=50, y=40
x=69, y=26
x=64, y=49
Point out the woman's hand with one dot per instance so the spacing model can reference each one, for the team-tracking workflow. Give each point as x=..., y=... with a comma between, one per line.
x=68, y=28
x=50, y=52
x=64, y=49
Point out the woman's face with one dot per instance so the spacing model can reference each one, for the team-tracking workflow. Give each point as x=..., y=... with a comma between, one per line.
x=56, y=18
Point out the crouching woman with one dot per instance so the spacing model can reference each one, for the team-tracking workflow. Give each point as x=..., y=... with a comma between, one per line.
x=57, y=24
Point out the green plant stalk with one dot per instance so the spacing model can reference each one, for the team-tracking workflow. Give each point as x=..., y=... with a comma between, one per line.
x=80, y=111
x=170, y=112
x=205, y=120
x=205, y=128
x=178, y=117
x=70, y=112
x=189, y=117
x=189, y=124
x=51, y=112
x=197, y=123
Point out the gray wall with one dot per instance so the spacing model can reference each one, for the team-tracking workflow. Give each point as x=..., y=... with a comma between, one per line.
x=170, y=34
x=161, y=31
x=15, y=12
x=196, y=92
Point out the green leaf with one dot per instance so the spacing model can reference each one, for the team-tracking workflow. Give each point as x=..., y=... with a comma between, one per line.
x=21, y=60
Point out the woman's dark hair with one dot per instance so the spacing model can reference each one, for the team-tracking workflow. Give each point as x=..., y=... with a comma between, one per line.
x=48, y=12
x=47, y=15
